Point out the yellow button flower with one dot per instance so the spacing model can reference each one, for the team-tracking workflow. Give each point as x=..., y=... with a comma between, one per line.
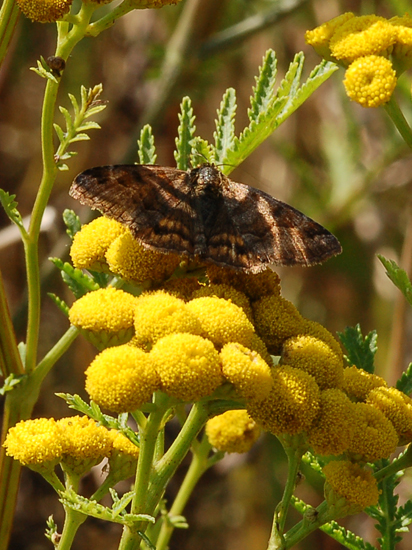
x=226, y=292
x=354, y=484
x=374, y=436
x=247, y=371
x=188, y=366
x=276, y=320
x=253, y=285
x=402, y=49
x=35, y=442
x=91, y=243
x=332, y=431
x=362, y=36
x=123, y=457
x=222, y=321
x=132, y=261
x=158, y=314
x=312, y=328
x=105, y=315
x=44, y=11
x=370, y=81
x=292, y=405
x=319, y=37
x=314, y=357
x=122, y=378
x=357, y=383
x=397, y=407
x=232, y=432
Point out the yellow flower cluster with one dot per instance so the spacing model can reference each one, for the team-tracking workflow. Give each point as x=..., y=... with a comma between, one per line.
x=106, y=245
x=374, y=50
x=77, y=443
x=45, y=11
x=232, y=432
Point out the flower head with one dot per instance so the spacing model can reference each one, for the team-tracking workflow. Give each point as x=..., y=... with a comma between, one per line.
x=332, y=431
x=362, y=36
x=221, y=320
x=402, y=49
x=35, y=442
x=374, y=436
x=188, y=366
x=352, y=483
x=276, y=320
x=45, y=11
x=123, y=457
x=357, y=383
x=105, y=316
x=84, y=443
x=292, y=405
x=397, y=407
x=370, y=80
x=246, y=370
x=91, y=243
x=122, y=378
x=253, y=285
x=232, y=432
x=315, y=357
x=319, y=37
x=132, y=261
x=158, y=314
x=226, y=292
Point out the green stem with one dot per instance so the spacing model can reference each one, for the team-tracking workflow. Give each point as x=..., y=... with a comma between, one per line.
x=302, y=529
x=9, y=14
x=294, y=454
x=50, y=359
x=108, y=20
x=405, y=461
x=395, y=113
x=197, y=468
x=72, y=522
x=10, y=356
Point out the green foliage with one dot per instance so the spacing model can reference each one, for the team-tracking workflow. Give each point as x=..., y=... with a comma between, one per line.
x=116, y=514
x=398, y=276
x=78, y=282
x=225, y=126
x=405, y=381
x=52, y=531
x=10, y=383
x=72, y=222
x=93, y=411
x=10, y=207
x=76, y=124
x=60, y=303
x=146, y=150
x=44, y=70
x=361, y=351
x=346, y=537
x=185, y=134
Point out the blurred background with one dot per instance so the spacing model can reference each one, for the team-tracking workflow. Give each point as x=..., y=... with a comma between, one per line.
x=342, y=165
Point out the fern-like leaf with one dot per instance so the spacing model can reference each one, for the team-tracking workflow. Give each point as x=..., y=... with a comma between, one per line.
x=147, y=150
x=202, y=152
x=404, y=383
x=185, y=134
x=345, y=537
x=76, y=280
x=225, y=126
x=361, y=351
x=72, y=222
x=10, y=207
x=398, y=276
x=60, y=303
x=264, y=90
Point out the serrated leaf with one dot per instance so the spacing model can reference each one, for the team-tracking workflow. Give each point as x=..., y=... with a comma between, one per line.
x=94, y=110
x=79, y=137
x=44, y=71
x=185, y=134
x=72, y=222
x=60, y=303
x=68, y=120
x=10, y=383
x=146, y=146
x=76, y=280
x=10, y=207
x=361, y=351
x=75, y=104
x=264, y=89
x=398, y=276
x=59, y=132
x=345, y=537
x=202, y=152
x=404, y=384
x=88, y=125
x=225, y=125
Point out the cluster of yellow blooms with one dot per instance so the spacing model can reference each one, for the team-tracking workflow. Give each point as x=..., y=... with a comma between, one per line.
x=374, y=50
x=190, y=339
x=48, y=11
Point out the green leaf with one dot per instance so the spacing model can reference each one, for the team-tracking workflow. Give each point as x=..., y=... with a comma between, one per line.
x=60, y=303
x=345, y=537
x=146, y=150
x=225, y=126
x=387, y=513
x=202, y=152
x=361, y=351
x=43, y=70
x=72, y=222
x=10, y=207
x=10, y=383
x=265, y=83
x=404, y=383
x=398, y=276
x=76, y=280
x=185, y=134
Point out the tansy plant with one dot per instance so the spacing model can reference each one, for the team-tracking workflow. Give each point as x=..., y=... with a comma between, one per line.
x=221, y=353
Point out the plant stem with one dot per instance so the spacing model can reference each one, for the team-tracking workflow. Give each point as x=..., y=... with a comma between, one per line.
x=9, y=14
x=197, y=468
x=395, y=113
x=10, y=356
x=72, y=522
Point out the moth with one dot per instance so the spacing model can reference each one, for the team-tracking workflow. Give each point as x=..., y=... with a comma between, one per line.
x=204, y=216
